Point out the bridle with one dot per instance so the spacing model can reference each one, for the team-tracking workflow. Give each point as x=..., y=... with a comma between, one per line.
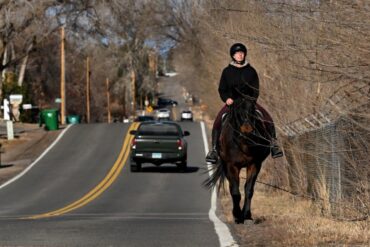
x=242, y=119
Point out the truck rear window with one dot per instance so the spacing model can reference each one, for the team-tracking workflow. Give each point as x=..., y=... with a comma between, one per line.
x=155, y=130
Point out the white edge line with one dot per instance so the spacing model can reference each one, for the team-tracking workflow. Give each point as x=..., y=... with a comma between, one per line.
x=37, y=160
x=222, y=231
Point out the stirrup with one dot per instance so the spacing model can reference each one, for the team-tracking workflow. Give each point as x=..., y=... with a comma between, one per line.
x=210, y=160
x=212, y=156
x=276, y=152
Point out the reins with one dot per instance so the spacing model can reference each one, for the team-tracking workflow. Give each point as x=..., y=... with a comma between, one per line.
x=237, y=117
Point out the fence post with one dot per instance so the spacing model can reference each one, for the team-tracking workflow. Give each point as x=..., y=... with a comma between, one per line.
x=335, y=167
x=9, y=129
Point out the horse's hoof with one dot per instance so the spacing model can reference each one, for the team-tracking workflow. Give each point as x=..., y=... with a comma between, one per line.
x=239, y=221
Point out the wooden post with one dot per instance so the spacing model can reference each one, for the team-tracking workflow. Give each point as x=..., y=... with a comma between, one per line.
x=124, y=112
x=152, y=63
x=62, y=79
x=141, y=101
x=108, y=100
x=153, y=71
x=133, y=89
x=88, y=90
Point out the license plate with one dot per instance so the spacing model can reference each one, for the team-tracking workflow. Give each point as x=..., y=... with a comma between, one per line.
x=156, y=155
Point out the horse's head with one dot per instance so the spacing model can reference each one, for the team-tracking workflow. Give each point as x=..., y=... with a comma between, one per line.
x=242, y=113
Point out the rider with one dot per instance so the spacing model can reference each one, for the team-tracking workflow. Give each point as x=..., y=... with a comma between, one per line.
x=238, y=76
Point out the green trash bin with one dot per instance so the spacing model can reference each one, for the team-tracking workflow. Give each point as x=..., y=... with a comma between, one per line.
x=73, y=119
x=49, y=117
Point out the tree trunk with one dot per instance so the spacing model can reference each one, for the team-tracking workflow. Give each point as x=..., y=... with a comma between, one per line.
x=22, y=71
x=5, y=60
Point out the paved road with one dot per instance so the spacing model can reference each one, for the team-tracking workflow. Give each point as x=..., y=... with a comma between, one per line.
x=157, y=207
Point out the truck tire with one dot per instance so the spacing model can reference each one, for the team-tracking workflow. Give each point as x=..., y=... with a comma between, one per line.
x=183, y=165
x=135, y=167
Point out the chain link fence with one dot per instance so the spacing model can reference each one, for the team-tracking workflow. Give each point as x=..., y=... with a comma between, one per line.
x=331, y=164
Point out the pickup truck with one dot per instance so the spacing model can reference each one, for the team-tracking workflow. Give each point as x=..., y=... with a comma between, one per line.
x=157, y=143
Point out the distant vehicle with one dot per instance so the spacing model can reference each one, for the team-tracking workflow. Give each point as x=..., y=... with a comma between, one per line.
x=158, y=143
x=144, y=118
x=187, y=115
x=163, y=114
x=162, y=102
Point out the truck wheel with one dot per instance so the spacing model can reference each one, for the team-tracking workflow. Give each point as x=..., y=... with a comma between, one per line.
x=183, y=165
x=135, y=167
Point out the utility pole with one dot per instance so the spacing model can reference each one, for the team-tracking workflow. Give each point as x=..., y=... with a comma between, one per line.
x=124, y=102
x=88, y=90
x=108, y=100
x=62, y=79
x=153, y=67
x=133, y=90
x=153, y=63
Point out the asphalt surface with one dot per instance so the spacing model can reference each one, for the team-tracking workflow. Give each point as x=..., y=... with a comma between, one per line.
x=156, y=207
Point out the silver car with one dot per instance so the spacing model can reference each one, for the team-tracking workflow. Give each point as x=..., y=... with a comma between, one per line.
x=163, y=114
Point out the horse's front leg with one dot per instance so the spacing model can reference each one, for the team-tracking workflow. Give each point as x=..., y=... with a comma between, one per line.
x=252, y=173
x=233, y=177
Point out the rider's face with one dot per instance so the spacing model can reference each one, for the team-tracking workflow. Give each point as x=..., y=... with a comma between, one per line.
x=239, y=56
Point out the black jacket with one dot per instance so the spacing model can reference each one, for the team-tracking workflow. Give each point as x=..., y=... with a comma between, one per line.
x=236, y=80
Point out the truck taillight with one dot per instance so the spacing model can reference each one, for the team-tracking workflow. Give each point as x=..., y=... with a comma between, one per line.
x=179, y=144
x=133, y=143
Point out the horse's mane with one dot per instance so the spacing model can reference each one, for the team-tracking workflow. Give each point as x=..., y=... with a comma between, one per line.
x=240, y=112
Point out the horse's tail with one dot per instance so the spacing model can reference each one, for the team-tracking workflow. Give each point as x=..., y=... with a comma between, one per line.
x=218, y=173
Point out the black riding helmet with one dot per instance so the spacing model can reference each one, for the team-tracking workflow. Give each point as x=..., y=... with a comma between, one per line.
x=237, y=47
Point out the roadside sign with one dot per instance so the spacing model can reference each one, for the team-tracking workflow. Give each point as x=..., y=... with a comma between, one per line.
x=149, y=109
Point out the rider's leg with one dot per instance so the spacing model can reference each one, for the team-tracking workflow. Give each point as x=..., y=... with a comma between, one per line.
x=276, y=151
x=212, y=155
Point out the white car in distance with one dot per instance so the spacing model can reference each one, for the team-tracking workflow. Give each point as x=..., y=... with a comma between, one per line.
x=163, y=114
x=186, y=115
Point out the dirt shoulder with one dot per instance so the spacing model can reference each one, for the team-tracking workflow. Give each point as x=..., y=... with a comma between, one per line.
x=282, y=219
x=29, y=143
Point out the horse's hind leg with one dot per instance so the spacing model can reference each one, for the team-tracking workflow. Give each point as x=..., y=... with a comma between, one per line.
x=252, y=172
x=233, y=177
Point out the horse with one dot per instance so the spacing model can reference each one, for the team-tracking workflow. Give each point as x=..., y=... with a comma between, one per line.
x=244, y=143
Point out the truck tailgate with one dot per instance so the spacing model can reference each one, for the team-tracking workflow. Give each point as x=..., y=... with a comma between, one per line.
x=153, y=144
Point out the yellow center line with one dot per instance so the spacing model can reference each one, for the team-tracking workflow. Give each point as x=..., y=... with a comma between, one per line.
x=102, y=186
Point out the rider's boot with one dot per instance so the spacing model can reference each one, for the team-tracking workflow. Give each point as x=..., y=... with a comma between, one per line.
x=212, y=155
x=276, y=151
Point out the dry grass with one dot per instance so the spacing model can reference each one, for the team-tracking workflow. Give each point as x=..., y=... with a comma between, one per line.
x=284, y=220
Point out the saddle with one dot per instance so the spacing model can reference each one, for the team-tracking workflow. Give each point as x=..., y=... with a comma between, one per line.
x=260, y=116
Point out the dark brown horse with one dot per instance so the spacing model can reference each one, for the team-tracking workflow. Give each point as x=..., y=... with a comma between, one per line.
x=244, y=143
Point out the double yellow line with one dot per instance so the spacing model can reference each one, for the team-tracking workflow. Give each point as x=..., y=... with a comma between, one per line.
x=102, y=186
